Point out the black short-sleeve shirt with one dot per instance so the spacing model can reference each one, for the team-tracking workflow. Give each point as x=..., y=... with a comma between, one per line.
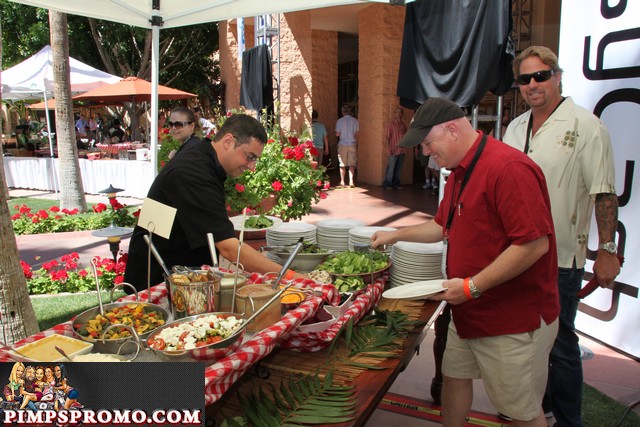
x=193, y=183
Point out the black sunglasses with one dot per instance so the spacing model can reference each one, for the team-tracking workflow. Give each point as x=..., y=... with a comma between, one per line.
x=539, y=76
x=178, y=125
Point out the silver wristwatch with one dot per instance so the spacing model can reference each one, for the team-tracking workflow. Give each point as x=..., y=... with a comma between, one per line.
x=475, y=292
x=610, y=247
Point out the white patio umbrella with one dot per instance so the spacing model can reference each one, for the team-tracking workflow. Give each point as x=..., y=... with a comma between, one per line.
x=154, y=14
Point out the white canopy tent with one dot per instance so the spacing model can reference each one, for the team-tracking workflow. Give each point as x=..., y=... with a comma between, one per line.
x=154, y=14
x=33, y=79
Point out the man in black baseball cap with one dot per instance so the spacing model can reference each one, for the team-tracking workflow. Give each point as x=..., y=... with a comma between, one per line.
x=432, y=112
x=501, y=265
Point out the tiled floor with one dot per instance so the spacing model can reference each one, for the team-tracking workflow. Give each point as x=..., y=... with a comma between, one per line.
x=608, y=371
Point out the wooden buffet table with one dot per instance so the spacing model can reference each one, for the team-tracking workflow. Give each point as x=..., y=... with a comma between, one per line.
x=370, y=385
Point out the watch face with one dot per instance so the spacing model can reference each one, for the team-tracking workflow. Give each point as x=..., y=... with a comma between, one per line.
x=610, y=247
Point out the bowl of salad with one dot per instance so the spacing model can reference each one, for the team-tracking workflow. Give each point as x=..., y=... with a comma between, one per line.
x=201, y=338
x=255, y=226
x=353, y=270
x=309, y=257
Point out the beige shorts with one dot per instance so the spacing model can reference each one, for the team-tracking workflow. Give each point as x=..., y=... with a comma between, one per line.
x=513, y=367
x=347, y=155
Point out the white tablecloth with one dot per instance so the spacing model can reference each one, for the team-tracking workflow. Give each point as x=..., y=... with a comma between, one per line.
x=38, y=173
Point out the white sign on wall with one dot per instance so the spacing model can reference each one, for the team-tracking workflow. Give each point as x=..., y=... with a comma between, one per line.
x=600, y=55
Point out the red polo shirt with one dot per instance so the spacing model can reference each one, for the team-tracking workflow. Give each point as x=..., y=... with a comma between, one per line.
x=505, y=202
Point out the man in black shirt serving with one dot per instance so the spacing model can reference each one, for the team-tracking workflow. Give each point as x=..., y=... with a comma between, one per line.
x=193, y=184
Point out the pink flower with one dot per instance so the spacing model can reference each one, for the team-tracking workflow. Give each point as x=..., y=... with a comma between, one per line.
x=71, y=265
x=239, y=188
x=327, y=185
x=54, y=209
x=277, y=186
x=323, y=195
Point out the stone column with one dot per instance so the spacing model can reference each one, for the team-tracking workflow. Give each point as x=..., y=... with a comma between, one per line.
x=324, y=94
x=230, y=65
x=380, y=43
x=296, y=63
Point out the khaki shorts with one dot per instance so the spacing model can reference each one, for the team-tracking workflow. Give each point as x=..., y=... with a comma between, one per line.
x=347, y=155
x=513, y=367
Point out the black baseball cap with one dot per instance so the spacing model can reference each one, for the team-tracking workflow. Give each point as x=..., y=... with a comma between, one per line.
x=432, y=112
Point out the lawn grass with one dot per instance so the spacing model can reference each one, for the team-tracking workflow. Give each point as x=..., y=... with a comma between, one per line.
x=54, y=309
x=599, y=410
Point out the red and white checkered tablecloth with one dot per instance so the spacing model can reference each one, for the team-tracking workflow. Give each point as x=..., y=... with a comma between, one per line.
x=114, y=148
x=223, y=373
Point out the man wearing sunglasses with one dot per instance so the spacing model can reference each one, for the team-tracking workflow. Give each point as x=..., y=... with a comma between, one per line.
x=573, y=148
x=193, y=183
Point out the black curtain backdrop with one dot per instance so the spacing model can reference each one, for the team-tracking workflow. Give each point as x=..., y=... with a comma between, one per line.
x=256, y=84
x=456, y=49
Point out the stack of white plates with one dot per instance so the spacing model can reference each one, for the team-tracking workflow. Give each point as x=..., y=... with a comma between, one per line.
x=362, y=235
x=333, y=234
x=288, y=233
x=413, y=262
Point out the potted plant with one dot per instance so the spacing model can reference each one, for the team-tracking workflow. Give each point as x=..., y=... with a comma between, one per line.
x=284, y=175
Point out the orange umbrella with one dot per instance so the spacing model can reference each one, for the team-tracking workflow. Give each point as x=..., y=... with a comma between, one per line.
x=131, y=89
x=51, y=105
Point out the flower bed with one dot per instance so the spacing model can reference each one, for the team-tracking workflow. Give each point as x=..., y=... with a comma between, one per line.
x=55, y=220
x=68, y=275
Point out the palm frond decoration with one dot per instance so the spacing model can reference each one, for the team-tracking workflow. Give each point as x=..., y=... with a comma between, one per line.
x=301, y=400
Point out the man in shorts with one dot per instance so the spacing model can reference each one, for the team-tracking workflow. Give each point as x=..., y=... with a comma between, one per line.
x=347, y=128
x=501, y=265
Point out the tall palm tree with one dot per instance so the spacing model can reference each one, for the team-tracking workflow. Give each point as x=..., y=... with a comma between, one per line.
x=71, y=188
x=17, y=318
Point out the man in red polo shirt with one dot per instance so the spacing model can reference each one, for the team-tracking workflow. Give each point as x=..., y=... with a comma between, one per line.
x=501, y=265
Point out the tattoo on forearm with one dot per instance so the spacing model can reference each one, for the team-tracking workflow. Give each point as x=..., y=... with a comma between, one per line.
x=607, y=216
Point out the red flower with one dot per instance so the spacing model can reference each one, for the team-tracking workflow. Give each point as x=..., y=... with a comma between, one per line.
x=327, y=185
x=124, y=258
x=74, y=211
x=299, y=155
x=165, y=131
x=319, y=183
x=16, y=216
x=71, y=265
x=118, y=279
x=113, y=202
x=323, y=195
x=82, y=273
x=54, y=209
x=239, y=188
x=57, y=217
x=16, y=207
x=35, y=219
x=313, y=151
x=100, y=207
x=277, y=186
x=270, y=140
x=293, y=141
x=74, y=256
x=26, y=269
x=289, y=153
x=136, y=213
x=163, y=163
x=24, y=209
x=65, y=211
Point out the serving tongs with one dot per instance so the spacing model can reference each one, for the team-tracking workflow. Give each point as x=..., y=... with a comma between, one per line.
x=287, y=263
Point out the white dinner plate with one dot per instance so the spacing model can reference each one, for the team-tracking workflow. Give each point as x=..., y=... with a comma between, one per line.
x=237, y=222
x=415, y=290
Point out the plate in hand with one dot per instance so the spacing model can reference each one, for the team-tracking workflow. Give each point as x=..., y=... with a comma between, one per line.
x=416, y=290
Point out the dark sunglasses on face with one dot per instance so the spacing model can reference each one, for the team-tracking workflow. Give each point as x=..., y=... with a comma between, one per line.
x=538, y=76
x=177, y=125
